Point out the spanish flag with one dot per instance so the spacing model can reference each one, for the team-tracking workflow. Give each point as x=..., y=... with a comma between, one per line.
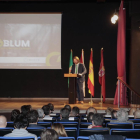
x=91, y=75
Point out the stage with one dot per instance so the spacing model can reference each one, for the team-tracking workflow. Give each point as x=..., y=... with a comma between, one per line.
x=8, y=104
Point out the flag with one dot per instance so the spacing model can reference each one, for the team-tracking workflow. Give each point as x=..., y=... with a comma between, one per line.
x=91, y=75
x=102, y=76
x=82, y=61
x=70, y=64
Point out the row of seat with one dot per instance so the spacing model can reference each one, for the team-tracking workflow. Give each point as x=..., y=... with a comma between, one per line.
x=85, y=125
x=74, y=132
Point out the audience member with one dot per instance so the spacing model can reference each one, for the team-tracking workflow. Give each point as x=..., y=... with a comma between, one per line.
x=25, y=109
x=109, y=110
x=51, y=107
x=96, y=120
x=114, y=114
x=47, y=111
x=14, y=114
x=49, y=134
x=132, y=110
x=3, y=121
x=59, y=128
x=75, y=111
x=122, y=117
x=64, y=114
x=137, y=114
x=91, y=109
x=68, y=107
x=33, y=119
x=20, y=124
x=41, y=114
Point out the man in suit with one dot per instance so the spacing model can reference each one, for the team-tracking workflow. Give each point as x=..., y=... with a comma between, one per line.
x=80, y=69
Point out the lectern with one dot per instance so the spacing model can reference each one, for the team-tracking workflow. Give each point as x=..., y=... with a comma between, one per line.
x=72, y=87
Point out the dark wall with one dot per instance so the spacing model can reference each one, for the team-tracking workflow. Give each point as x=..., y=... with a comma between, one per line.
x=84, y=26
x=134, y=75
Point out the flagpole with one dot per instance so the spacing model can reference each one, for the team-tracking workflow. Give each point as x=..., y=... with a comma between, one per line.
x=91, y=102
x=101, y=90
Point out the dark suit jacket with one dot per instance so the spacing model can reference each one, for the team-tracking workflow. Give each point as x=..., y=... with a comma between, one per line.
x=81, y=70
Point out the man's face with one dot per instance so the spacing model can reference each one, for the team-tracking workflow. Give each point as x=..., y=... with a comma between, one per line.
x=75, y=61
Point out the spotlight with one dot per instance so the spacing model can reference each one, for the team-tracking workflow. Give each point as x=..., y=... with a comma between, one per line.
x=114, y=18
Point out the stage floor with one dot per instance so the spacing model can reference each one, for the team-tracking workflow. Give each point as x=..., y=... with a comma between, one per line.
x=8, y=104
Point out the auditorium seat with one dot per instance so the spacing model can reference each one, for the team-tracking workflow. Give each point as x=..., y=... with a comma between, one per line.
x=83, y=119
x=136, y=125
x=69, y=124
x=56, y=115
x=135, y=120
x=71, y=119
x=71, y=132
x=36, y=131
x=88, y=132
x=83, y=138
x=10, y=124
x=120, y=125
x=84, y=124
x=66, y=138
x=129, y=133
x=4, y=131
x=17, y=138
x=45, y=124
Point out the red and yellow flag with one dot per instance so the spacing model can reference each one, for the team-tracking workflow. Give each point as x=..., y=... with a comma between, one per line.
x=91, y=75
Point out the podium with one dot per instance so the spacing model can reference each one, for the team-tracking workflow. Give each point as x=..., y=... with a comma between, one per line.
x=72, y=87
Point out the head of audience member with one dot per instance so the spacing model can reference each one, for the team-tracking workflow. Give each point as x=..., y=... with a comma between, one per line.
x=132, y=110
x=49, y=134
x=59, y=128
x=91, y=109
x=3, y=121
x=76, y=60
x=51, y=106
x=25, y=109
x=14, y=114
x=33, y=117
x=41, y=113
x=75, y=111
x=68, y=107
x=21, y=122
x=64, y=113
x=109, y=110
x=122, y=115
x=95, y=119
x=46, y=110
x=114, y=114
x=137, y=114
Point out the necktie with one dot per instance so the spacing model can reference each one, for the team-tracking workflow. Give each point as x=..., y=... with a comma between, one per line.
x=76, y=69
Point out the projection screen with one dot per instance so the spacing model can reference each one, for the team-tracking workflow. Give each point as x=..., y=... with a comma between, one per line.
x=30, y=41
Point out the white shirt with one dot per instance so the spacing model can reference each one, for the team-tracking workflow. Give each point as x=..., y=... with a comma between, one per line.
x=77, y=67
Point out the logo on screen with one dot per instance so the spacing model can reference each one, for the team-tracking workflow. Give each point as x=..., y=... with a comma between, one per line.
x=14, y=43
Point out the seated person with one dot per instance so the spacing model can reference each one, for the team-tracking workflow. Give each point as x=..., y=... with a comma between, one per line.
x=131, y=111
x=25, y=109
x=47, y=111
x=32, y=117
x=122, y=117
x=75, y=111
x=14, y=114
x=68, y=107
x=20, y=124
x=96, y=120
x=114, y=114
x=41, y=114
x=49, y=134
x=3, y=121
x=59, y=128
x=64, y=115
x=91, y=109
x=108, y=111
x=137, y=114
x=51, y=107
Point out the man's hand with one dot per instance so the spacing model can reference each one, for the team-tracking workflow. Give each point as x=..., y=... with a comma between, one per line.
x=80, y=74
x=90, y=126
